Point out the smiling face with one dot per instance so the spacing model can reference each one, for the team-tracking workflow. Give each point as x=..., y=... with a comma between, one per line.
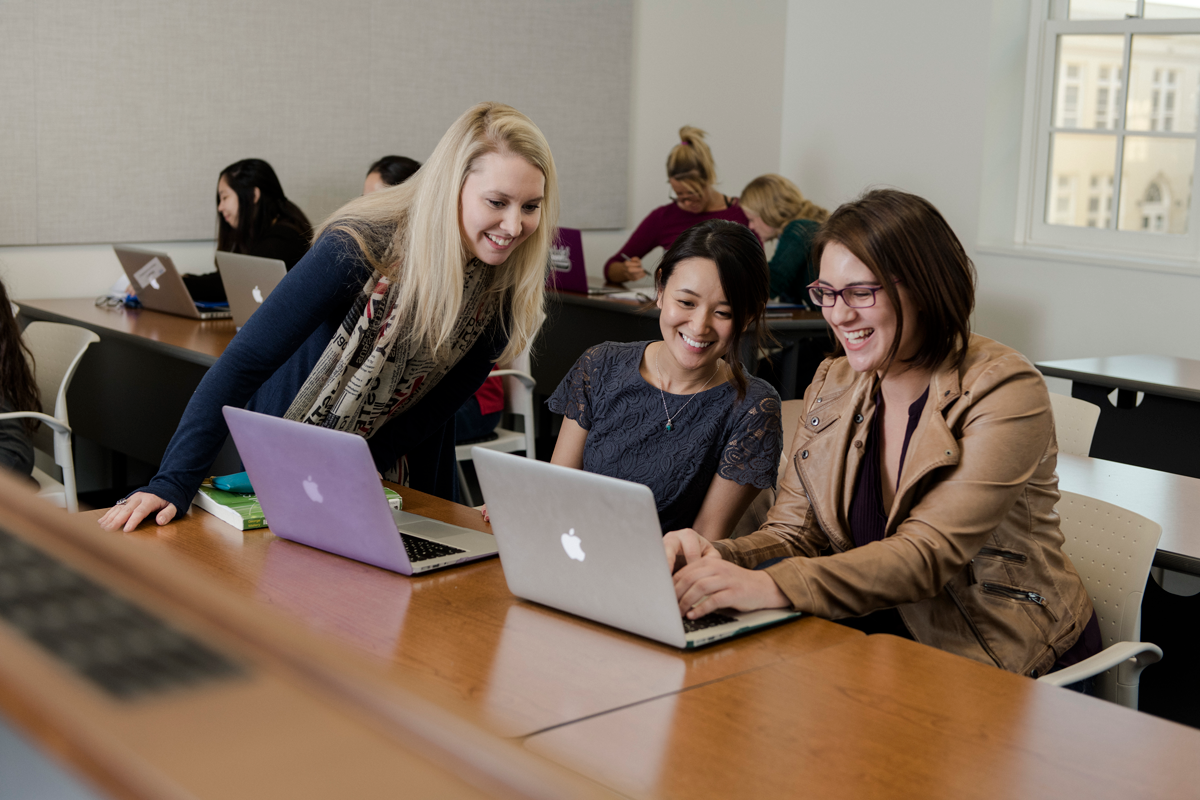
x=227, y=203
x=865, y=333
x=500, y=205
x=762, y=229
x=696, y=320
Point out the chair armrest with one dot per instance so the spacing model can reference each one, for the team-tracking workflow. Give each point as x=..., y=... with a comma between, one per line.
x=46, y=419
x=1143, y=652
x=523, y=377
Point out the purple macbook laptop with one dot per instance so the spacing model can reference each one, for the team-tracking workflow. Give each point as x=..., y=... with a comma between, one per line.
x=566, y=272
x=319, y=487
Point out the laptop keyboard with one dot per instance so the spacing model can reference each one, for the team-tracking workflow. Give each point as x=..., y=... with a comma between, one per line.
x=419, y=549
x=707, y=621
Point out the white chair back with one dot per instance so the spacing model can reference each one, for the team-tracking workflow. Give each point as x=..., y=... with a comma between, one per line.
x=57, y=350
x=1112, y=549
x=1074, y=423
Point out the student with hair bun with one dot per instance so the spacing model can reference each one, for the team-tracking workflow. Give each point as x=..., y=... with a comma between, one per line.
x=777, y=210
x=694, y=199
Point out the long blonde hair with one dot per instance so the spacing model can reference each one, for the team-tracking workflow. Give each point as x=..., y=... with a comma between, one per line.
x=778, y=201
x=410, y=232
x=691, y=162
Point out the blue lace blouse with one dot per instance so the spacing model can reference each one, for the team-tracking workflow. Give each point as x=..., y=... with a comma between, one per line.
x=714, y=434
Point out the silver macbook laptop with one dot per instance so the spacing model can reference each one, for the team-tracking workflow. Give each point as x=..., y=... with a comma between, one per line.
x=591, y=545
x=319, y=487
x=159, y=287
x=248, y=281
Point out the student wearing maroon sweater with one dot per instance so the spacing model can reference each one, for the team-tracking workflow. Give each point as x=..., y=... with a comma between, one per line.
x=694, y=199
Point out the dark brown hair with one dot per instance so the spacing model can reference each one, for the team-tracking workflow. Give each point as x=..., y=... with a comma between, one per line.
x=742, y=268
x=903, y=239
x=17, y=385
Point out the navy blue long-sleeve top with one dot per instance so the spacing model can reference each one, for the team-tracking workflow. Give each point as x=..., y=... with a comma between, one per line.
x=270, y=358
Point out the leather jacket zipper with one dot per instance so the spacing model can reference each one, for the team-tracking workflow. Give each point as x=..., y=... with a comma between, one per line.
x=1020, y=595
x=1007, y=555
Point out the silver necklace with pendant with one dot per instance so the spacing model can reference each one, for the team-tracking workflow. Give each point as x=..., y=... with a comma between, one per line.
x=678, y=411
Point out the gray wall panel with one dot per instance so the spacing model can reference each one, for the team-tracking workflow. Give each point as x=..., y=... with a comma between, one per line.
x=138, y=104
x=18, y=123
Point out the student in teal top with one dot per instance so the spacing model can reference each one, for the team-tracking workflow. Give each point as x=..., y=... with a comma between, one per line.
x=777, y=210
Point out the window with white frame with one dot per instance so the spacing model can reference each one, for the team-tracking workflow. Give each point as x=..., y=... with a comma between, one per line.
x=1116, y=125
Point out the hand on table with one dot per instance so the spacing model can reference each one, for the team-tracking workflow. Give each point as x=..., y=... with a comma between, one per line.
x=483, y=510
x=628, y=270
x=705, y=582
x=130, y=512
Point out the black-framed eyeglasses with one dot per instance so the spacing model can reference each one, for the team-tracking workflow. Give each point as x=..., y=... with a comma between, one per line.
x=852, y=296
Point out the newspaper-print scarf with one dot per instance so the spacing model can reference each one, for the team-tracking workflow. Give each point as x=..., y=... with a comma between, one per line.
x=369, y=373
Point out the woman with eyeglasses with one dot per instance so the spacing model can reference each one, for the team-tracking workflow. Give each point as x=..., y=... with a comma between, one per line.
x=920, y=494
x=694, y=199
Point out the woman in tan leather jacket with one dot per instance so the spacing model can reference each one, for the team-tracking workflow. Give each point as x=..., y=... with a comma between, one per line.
x=922, y=483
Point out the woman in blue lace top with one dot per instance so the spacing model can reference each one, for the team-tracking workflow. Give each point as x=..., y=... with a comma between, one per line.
x=679, y=415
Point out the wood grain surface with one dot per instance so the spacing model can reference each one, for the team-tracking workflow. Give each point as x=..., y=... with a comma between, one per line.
x=880, y=717
x=522, y=667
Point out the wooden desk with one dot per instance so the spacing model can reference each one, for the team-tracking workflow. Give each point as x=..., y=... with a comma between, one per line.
x=522, y=667
x=880, y=717
x=132, y=386
x=229, y=700
x=575, y=322
x=1146, y=434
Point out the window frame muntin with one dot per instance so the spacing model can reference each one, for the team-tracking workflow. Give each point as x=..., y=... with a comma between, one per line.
x=1048, y=22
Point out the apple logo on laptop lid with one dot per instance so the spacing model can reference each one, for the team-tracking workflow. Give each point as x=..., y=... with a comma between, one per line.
x=570, y=543
x=257, y=295
x=312, y=490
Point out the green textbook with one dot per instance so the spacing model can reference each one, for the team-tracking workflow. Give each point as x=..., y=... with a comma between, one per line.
x=243, y=512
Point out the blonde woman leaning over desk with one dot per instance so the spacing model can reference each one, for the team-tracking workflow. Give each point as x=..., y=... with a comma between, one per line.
x=437, y=278
x=925, y=464
x=694, y=199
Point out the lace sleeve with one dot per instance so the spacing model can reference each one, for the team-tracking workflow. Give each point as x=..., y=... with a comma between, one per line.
x=573, y=397
x=751, y=455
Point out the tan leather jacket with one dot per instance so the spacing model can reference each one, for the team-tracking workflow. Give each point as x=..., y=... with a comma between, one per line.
x=972, y=555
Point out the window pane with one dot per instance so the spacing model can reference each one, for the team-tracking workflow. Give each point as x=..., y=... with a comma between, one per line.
x=1088, y=92
x=1164, y=74
x=1101, y=9
x=1081, y=180
x=1171, y=9
x=1156, y=184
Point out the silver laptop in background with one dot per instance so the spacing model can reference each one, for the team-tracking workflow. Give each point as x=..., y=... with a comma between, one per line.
x=159, y=286
x=248, y=281
x=591, y=545
x=319, y=487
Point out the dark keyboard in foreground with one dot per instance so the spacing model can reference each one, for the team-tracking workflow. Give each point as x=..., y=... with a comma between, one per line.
x=707, y=621
x=419, y=549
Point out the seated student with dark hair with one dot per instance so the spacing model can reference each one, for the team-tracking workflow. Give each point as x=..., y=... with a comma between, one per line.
x=389, y=171
x=920, y=495
x=680, y=415
x=18, y=392
x=254, y=218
